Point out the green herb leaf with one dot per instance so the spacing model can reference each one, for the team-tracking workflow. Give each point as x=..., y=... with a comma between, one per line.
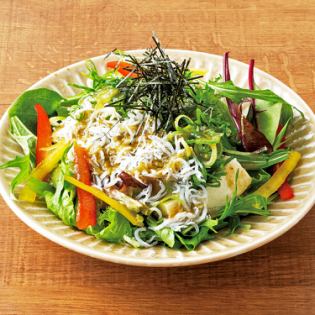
x=237, y=94
x=278, y=141
x=215, y=113
x=190, y=243
x=239, y=205
x=259, y=177
x=24, y=164
x=256, y=161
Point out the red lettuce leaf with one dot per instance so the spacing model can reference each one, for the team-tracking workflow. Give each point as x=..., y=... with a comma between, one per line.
x=251, y=139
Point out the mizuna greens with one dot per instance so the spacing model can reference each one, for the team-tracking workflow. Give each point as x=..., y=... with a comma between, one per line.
x=150, y=154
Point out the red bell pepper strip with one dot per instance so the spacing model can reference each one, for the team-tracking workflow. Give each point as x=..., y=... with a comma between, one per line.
x=86, y=211
x=123, y=67
x=44, y=133
x=286, y=191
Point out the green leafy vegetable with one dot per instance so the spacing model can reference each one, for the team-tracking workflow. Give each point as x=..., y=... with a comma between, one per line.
x=24, y=164
x=24, y=137
x=63, y=111
x=279, y=138
x=72, y=100
x=190, y=243
x=239, y=205
x=99, y=81
x=108, y=79
x=268, y=118
x=61, y=202
x=167, y=236
x=287, y=113
x=23, y=107
x=237, y=94
x=216, y=114
x=116, y=226
x=211, y=224
x=255, y=161
x=39, y=187
x=259, y=177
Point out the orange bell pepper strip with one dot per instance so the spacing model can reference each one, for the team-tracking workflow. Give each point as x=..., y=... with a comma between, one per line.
x=44, y=133
x=123, y=67
x=86, y=211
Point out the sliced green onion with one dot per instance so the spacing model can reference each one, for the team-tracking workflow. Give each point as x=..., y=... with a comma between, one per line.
x=209, y=141
x=213, y=158
x=190, y=123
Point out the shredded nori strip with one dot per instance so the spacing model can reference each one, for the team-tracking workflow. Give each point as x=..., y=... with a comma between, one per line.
x=162, y=87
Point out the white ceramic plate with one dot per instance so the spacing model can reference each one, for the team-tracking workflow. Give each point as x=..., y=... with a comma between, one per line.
x=283, y=216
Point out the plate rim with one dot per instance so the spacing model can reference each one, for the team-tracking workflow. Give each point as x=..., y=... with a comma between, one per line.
x=161, y=262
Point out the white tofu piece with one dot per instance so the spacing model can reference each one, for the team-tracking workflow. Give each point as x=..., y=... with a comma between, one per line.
x=217, y=195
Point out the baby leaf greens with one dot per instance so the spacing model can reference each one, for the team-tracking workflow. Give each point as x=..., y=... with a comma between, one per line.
x=256, y=161
x=251, y=138
x=23, y=107
x=237, y=94
x=115, y=226
x=24, y=164
x=150, y=154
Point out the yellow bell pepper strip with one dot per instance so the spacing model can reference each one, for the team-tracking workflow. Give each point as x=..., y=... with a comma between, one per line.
x=43, y=169
x=131, y=216
x=285, y=191
x=280, y=176
x=197, y=72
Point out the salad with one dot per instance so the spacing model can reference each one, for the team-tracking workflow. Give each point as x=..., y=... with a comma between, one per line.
x=150, y=153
